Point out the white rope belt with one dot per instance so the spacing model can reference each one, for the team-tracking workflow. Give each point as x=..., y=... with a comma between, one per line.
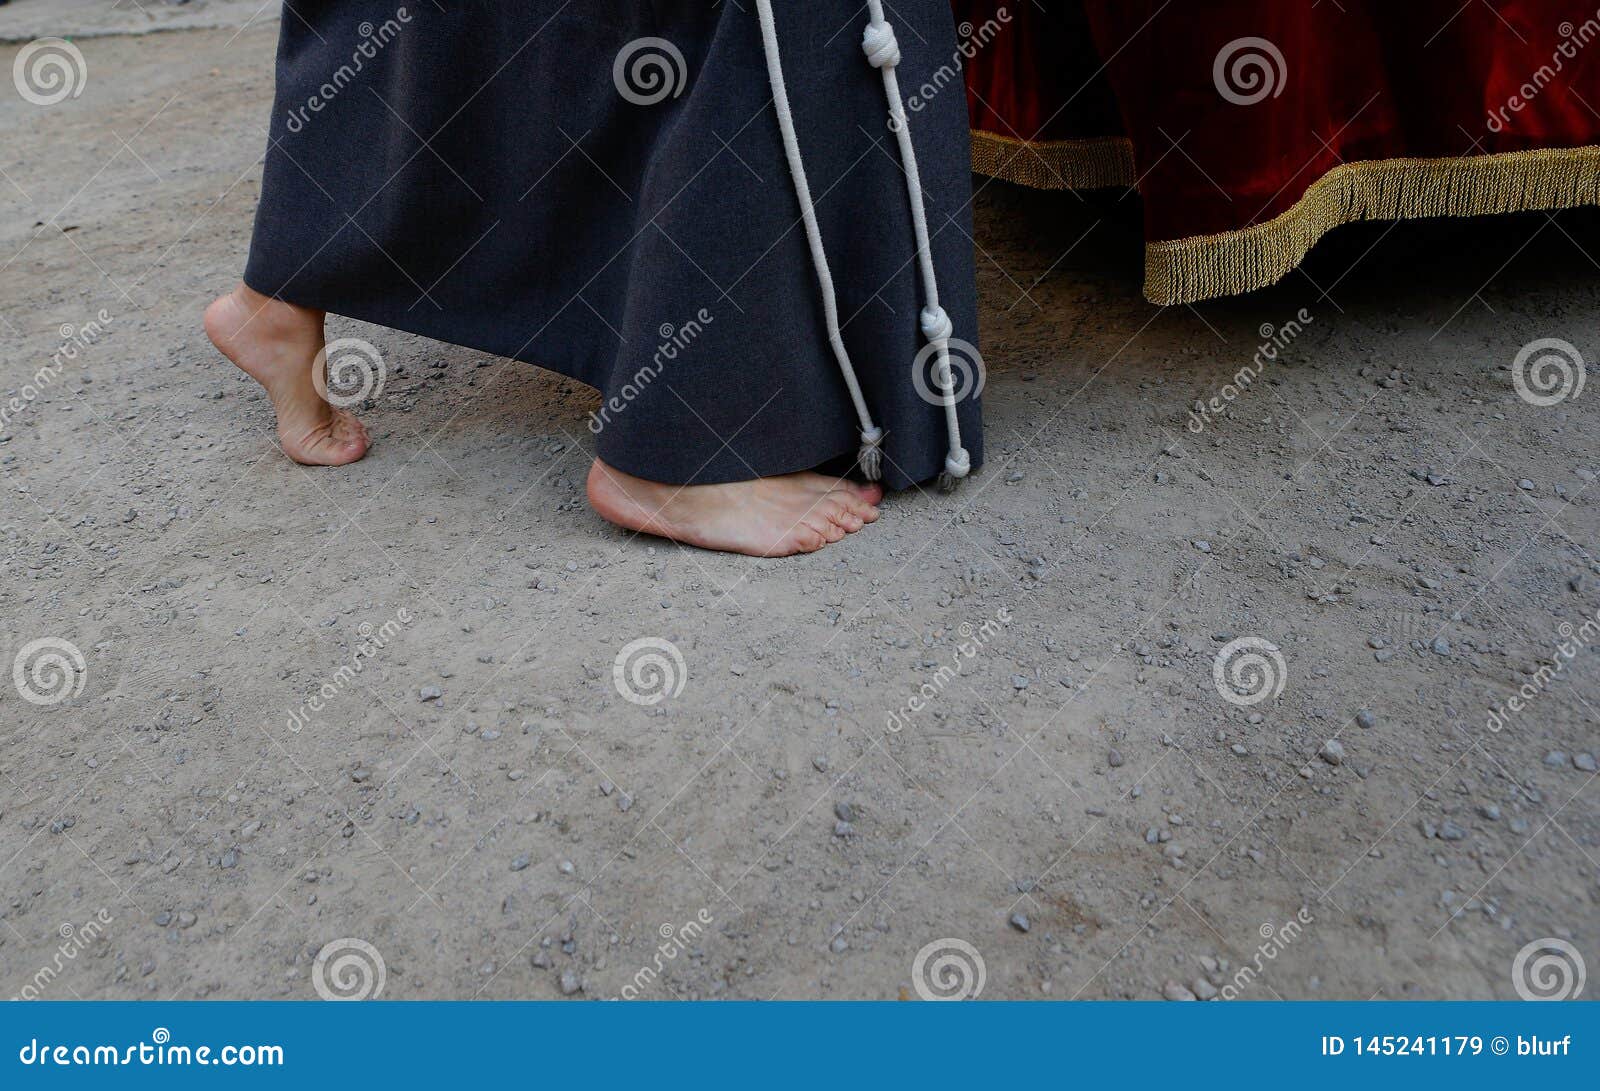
x=883, y=53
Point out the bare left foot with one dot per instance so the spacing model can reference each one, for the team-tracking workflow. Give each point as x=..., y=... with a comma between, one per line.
x=767, y=517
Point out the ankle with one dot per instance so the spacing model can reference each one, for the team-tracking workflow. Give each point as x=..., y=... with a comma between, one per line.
x=274, y=316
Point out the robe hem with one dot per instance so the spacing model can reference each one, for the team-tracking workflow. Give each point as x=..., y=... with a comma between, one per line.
x=896, y=476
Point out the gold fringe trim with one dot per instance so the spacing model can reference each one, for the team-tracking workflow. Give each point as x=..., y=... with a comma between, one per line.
x=1054, y=164
x=1207, y=266
x=1192, y=269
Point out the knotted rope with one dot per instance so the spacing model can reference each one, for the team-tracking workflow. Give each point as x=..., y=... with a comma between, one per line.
x=871, y=454
x=878, y=42
x=883, y=53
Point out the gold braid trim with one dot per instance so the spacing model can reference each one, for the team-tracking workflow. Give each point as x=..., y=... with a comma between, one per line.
x=1054, y=164
x=1187, y=270
x=1205, y=266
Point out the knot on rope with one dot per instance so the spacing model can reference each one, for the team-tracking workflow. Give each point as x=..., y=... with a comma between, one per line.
x=957, y=465
x=871, y=454
x=936, y=324
x=880, y=45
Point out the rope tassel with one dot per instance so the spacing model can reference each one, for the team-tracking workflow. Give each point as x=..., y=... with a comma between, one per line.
x=882, y=48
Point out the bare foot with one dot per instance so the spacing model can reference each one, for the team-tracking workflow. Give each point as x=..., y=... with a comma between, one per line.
x=767, y=517
x=277, y=344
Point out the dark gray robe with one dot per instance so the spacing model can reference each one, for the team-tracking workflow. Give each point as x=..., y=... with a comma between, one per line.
x=598, y=187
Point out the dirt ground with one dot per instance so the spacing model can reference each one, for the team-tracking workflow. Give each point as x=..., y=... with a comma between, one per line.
x=1076, y=800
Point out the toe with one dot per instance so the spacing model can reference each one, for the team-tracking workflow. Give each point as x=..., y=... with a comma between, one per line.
x=338, y=452
x=338, y=442
x=861, y=509
x=803, y=539
x=870, y=491
x=840, y=515
x=819, y=522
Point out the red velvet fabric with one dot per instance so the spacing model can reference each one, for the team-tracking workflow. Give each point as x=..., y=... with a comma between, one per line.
x=1343, y=82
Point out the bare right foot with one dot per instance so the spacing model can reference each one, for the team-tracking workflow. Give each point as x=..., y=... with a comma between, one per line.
x=767, y=517
x=277, y=344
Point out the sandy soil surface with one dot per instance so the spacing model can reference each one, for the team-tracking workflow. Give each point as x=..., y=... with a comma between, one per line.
x=25, y=20
x=1078, y=799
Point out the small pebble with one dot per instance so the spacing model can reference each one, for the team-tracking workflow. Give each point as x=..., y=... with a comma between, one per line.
x=1020, y=922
